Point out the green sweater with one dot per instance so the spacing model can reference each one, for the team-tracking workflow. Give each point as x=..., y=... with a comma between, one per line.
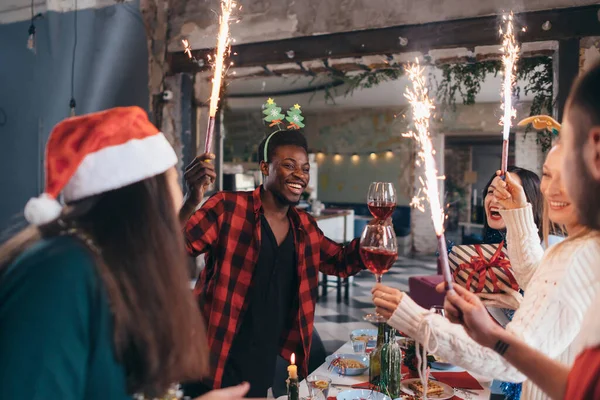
x=56, y=327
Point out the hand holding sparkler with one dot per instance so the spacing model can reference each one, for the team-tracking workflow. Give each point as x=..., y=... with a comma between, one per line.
x=508, y=192
x=199, y=175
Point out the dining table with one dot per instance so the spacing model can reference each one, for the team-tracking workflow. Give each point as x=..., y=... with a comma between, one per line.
x=341, y=383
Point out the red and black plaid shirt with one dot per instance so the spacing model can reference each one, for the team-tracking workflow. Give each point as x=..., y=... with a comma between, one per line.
x=227, y=229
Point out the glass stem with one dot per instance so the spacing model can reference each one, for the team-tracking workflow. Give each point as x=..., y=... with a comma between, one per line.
x=378, y=278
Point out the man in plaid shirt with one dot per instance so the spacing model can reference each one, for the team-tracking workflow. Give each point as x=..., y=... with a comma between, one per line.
x=263, y=256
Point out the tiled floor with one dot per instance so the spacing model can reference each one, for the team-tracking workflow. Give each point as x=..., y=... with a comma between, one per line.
x=334, y=321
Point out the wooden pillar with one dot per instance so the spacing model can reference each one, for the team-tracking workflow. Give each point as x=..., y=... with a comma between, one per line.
x=188, y=121
x=566, y=68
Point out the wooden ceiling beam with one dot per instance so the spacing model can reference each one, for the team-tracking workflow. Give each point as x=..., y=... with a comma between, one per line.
x=566, y=23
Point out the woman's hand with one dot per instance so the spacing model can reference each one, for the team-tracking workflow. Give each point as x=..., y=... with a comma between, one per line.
x=509, y=193
x=386, y=299
x=463, y=307
x=232, y=393
x=510, y=299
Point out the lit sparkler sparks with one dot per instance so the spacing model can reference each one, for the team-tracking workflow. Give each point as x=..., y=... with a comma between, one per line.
x=422, y=107
x=510, y=55
x=223, y=48
x=222, y=52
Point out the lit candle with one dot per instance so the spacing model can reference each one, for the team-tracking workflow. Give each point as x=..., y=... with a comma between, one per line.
x=293, y=368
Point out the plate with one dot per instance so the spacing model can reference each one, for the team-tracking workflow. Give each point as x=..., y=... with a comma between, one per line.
x=349, y=371
x=447, y=394
x=358, y=394
x=441, y=365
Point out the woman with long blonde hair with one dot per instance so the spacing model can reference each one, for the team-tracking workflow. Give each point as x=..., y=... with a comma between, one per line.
x=559, y=286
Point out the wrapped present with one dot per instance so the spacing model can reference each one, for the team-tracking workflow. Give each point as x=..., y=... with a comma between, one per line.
x=480, y=267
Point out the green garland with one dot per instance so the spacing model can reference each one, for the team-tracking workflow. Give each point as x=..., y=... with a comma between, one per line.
x=464, y=80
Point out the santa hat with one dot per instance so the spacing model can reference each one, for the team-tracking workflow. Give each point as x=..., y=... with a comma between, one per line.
x=97, y=153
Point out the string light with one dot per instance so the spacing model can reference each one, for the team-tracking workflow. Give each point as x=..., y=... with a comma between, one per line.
x=31, y=31
x=72, y=102
x=356, y=156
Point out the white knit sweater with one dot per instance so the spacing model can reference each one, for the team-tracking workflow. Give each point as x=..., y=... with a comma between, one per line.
x=559, y=289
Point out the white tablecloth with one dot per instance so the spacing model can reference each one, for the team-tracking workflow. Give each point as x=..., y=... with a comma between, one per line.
x=340, y=383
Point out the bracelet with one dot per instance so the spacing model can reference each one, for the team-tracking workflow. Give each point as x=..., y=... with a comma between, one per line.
x=500, y=347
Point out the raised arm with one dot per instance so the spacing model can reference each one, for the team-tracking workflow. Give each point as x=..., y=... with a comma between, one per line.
x=198, y=177
x=202, y=229
x=339, y=260
x=524, y=246
x=336, y=259
x=549, y=325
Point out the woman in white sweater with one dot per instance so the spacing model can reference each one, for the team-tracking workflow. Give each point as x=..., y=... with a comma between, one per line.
x=559, y=288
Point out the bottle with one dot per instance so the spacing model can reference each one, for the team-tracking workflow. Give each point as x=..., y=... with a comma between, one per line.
x=391, y=366
x=375, y=356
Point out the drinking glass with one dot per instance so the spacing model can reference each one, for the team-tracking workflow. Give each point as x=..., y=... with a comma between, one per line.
x=378, y=251
x=381, y=200
x=359, y=344
x=318, y=386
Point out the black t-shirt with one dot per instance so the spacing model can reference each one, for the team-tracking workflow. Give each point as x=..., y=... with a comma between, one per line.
x=272, y=305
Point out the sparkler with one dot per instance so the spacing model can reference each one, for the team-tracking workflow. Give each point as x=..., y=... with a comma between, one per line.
x=422, y=107
x=510, y=55
x=223, y=48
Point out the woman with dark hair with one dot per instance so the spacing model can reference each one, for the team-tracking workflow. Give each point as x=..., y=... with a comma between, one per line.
x=94, y=296
x=494, y=228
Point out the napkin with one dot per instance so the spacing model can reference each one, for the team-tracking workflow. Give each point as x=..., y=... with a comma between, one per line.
x=364, y=385
x=461, y=380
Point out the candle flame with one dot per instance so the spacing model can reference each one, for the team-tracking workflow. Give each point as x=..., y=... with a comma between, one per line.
x=293, y=359
x=223, y=47
x=510, y=54
x=422, y=107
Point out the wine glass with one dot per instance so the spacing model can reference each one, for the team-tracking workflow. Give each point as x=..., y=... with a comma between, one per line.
x=378, y=251
x=381, y=200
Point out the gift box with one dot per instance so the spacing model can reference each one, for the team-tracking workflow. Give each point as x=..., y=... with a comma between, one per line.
x=480, y=267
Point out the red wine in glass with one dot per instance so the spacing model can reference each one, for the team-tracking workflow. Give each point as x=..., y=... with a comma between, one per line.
x=381, y=200
x=378, y=261
x=378, y=252
x=382, y=210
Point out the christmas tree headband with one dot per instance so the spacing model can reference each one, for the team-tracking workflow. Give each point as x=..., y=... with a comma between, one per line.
x=275, y=119
x=541, y=122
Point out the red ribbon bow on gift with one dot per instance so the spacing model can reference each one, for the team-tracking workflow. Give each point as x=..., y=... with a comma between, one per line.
x=479, y=265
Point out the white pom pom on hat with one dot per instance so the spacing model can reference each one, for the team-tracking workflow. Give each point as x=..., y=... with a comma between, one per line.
x=42, y=210
x=96, y=153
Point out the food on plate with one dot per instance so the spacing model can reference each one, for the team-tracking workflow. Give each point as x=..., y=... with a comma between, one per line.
x=346, y=363
x=432, y=388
